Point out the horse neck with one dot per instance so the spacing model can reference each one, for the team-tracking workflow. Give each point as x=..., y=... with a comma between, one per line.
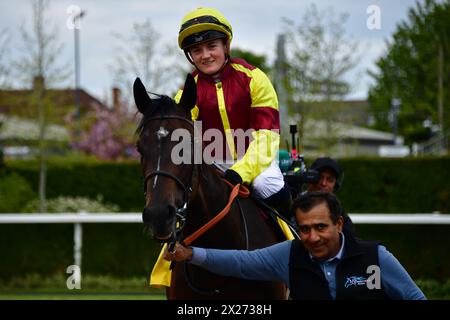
x=211, y=195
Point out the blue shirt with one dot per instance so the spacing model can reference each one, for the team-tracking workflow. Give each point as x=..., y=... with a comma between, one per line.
x=272, y=263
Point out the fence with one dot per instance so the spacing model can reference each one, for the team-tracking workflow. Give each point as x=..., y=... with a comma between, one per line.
x=83, y=217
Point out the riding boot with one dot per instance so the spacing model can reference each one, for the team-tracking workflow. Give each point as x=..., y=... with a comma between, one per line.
x=281, y=201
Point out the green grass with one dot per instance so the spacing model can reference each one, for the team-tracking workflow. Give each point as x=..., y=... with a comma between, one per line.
x=36, y=287
x=80, y=296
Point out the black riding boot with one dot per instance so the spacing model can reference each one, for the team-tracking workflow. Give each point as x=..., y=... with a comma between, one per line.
x=281, y=201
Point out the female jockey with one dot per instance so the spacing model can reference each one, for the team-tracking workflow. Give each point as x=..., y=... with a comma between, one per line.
x=233, y=95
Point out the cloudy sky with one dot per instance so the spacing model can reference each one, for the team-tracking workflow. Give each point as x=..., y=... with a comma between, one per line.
x=256, y=24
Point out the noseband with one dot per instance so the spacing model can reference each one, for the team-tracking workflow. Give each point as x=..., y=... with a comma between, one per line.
x=180, y=212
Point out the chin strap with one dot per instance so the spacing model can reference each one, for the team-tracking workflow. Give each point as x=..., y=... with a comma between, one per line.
x=188, y=56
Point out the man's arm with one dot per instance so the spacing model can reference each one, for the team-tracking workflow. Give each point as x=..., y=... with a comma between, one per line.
x=271, y=263
x=396, y=281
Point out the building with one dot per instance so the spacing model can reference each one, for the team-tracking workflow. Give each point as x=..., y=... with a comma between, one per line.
x=19, y=128
x=340, y=129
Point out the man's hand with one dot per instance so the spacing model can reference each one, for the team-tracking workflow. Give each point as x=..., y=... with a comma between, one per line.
x=180, y=253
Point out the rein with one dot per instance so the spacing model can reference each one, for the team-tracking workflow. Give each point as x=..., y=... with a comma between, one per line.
x=240, y=190
x=244, y=193
x=237, y=190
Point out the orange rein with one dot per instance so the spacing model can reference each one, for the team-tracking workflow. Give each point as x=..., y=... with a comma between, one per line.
x=238, y=189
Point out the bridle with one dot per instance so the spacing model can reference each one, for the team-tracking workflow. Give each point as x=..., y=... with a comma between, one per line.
x=180, y=212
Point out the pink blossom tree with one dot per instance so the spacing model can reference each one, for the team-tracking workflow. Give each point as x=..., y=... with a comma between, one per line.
x=105, y=133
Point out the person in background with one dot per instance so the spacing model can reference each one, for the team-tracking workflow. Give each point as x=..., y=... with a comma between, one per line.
x=331, y=175
x=331, y=179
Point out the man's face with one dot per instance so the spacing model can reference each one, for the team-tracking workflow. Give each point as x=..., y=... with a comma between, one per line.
x=209, y=57
x=326, y=182
x=318, y=233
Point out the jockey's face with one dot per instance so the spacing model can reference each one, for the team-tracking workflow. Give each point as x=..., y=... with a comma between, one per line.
x=318, y=233
x=209, y=57
x=326, y=182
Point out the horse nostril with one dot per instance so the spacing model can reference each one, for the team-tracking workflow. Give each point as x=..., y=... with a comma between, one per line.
x=171, y=210
x=146, y=217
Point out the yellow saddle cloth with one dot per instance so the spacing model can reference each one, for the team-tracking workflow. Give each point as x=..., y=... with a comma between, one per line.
x=161, y=273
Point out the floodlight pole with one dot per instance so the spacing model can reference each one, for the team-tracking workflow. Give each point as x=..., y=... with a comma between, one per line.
x=76, y=24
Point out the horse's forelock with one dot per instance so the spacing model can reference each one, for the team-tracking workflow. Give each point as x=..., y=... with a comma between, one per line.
x=161, y=103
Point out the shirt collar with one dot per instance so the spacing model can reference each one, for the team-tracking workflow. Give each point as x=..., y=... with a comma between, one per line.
x=223, y=73
x=338, y=256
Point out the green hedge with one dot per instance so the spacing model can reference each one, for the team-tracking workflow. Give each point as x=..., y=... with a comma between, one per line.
x=120, y=250
x=370, y=185
x=396, y=185
x=118, y=183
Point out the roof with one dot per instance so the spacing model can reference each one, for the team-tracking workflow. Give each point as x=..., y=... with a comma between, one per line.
x=13, y=128
x=348, y=111
x=20, y=103
x=317, y=129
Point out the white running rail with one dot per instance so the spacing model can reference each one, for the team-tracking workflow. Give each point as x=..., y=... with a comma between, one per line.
x=358, y=218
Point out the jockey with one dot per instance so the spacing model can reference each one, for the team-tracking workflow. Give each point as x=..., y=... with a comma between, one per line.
x=234, y=97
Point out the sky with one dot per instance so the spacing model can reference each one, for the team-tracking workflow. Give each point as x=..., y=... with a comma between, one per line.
x=256, y=24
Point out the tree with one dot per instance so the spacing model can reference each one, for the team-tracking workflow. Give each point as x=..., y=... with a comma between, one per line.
x=415, y=71
x=106, y=134
x=142, y=55
x=41, y=50
x=254, y=59
x=319, y=55
x=39, y=66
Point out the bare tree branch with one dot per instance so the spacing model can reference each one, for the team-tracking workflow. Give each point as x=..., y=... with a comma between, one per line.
x=41, y=50
x=5, y=70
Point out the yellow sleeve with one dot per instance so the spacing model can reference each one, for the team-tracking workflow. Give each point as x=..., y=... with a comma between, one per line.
x=266, y=139
x=262, y=91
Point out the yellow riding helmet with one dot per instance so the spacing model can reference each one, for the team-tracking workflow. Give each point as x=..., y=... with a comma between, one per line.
x=201, y=25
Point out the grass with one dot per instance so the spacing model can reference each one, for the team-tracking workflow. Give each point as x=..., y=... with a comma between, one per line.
x=36, y=287
x=80, y=296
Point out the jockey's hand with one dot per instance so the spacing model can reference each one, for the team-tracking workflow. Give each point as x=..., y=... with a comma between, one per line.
x=180, y=253
x=233, y=177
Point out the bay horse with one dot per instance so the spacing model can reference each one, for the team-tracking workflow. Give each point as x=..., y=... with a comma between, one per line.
x=181, y=198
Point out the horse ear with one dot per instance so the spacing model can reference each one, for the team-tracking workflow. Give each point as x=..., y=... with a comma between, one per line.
x=189, y=97
x=141, y=97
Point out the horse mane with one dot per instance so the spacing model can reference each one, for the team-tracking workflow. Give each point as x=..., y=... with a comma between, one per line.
x=161, y=103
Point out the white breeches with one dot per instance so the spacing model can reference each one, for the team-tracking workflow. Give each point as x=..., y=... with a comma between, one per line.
x=269, y=182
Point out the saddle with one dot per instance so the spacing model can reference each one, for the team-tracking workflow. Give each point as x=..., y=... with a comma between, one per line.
x=282, y=227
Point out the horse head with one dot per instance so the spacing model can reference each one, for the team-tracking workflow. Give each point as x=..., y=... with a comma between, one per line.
x=167, y=183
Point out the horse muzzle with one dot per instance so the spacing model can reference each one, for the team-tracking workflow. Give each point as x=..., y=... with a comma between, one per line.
x=161, y=222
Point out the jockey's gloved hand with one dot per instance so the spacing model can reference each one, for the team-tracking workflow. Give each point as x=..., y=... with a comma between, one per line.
x=233, y=177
